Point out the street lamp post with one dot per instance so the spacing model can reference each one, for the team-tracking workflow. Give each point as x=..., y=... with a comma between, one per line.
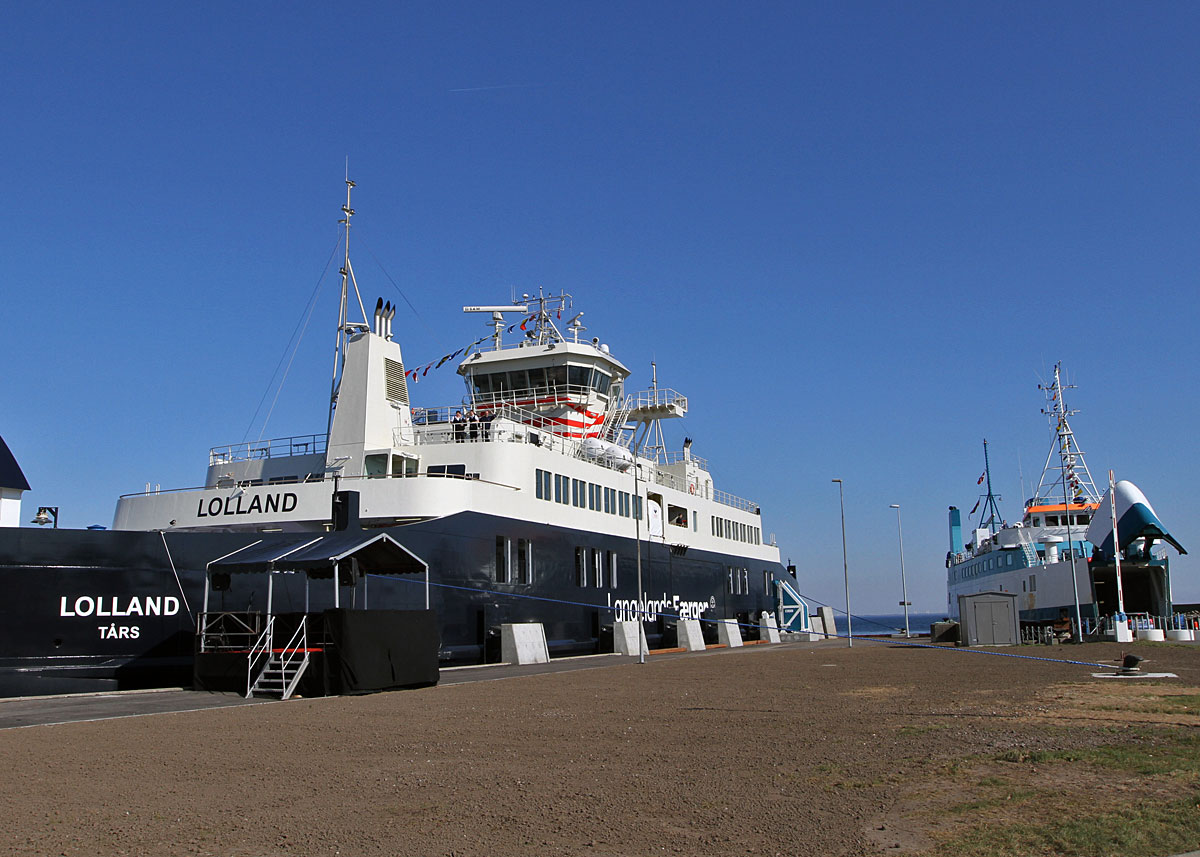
x=845, y=566
x=903, y=584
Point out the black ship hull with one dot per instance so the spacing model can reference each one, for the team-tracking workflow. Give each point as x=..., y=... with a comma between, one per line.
x=107, y=610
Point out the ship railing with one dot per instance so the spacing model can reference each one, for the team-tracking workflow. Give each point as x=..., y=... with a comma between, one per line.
x=676, y=456
x=259, y=656
x=279, y=447
x=660, y=397
x=229, y=632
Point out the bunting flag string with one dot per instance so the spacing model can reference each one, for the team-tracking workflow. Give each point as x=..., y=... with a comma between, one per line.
x=423, y=370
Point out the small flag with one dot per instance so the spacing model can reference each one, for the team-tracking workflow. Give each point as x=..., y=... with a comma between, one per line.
x=972, y=512
x=982, y=476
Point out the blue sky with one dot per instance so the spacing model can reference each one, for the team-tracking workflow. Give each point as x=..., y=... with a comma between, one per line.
x=856, y=235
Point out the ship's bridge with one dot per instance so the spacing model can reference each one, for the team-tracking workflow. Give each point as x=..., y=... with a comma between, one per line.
x=567, y=385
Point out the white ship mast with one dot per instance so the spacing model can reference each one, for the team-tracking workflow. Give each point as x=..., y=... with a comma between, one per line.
x=1067, y=471
x=344, y=326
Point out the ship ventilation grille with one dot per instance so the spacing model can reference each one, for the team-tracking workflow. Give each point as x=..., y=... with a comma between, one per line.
x=393, y=376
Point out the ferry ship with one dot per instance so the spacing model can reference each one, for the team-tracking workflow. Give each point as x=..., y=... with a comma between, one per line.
x=542, y=496
x=1060, y=556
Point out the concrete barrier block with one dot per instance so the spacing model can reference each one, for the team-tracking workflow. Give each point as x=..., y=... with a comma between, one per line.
x=1180, y=635
x=1151, y=634
x=828, y=624
x=768, y=628
x=524, y=643
x=1123, y=633
x=691, y=637
x=626, y=637
x=728, y=633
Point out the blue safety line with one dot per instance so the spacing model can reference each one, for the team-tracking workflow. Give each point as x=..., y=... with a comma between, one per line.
x=889, y=641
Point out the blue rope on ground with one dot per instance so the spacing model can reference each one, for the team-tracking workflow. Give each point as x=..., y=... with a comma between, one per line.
x=652, y=614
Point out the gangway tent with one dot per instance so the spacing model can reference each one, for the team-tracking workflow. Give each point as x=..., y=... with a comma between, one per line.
x=320, y=556
x=364, y=650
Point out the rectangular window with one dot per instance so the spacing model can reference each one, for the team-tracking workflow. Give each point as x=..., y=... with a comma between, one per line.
x=695, y=522
x=581, y=567
x=1033, y=583
x=608, y=500
x=745, y=581
x=612, y=569
x=637, y=506
x=767, y=588
x=713, y=521
x=593, y=497
x=578, y=496
x=1052, y=520
x=502, y=569
x=524, y=561
x=598, y=567
x=730, y=573
x=560, y=489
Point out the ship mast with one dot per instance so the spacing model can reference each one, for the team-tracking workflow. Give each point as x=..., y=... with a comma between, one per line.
x=344, y=326
x=1070, y=471
x=991, y=512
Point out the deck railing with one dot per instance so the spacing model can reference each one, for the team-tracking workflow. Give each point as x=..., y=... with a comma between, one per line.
x=279, y=447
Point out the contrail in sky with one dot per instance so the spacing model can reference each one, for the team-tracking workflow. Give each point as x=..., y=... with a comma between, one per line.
x=499, y=86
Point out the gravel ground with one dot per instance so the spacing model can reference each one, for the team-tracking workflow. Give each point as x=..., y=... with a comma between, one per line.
x=788, y=749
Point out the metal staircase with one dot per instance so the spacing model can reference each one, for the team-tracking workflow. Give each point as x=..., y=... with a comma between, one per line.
x=276, y=672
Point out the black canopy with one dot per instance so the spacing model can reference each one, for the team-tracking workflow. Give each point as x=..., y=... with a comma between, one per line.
x=316, y=555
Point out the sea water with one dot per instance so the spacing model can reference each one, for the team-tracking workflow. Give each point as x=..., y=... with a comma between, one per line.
x=890, y=623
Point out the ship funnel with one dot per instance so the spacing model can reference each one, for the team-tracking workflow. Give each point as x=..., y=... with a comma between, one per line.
x=378, y=326
x=956, y=542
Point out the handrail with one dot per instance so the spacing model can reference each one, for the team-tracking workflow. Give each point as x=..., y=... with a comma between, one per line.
x=296, y=647
x=261, y=646
x=302, y=444
x=233, y=631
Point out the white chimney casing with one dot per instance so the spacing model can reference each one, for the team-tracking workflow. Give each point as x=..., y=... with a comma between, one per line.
x=372, y=413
